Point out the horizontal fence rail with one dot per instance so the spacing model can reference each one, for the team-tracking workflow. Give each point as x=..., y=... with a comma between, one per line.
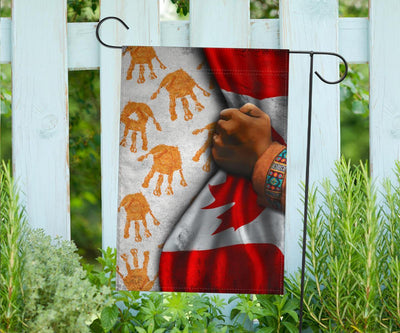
x=84, y=49
x=40, y=95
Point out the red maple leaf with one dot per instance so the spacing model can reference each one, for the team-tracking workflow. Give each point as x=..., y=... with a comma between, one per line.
x=238, y=191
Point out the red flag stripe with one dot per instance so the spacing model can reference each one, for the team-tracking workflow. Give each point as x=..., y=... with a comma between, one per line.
x=257, y=73
x=243, y=268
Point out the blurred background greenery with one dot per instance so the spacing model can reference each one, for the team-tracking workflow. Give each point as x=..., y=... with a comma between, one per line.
x=84, y=116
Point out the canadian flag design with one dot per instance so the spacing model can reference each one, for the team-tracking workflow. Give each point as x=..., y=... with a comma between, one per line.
x=226, y=242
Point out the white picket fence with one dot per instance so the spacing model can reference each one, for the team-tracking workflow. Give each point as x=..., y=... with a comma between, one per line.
x=42, y=47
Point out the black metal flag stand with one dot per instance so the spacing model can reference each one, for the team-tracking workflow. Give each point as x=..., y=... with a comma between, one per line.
x=310, y=91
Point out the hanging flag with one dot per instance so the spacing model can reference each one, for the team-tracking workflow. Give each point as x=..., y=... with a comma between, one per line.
x=188, y=221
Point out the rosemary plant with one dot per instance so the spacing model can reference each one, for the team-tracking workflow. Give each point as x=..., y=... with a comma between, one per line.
x=390, y=255
x=343, y=288
x=12, y=229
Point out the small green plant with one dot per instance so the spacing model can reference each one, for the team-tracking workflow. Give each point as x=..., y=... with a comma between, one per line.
x=12, y=231
x=153, y=312
x=272, y=313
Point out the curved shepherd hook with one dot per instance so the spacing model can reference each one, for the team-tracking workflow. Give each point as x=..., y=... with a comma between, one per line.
x=312, y=53
x=98, y=30
x=303, y=259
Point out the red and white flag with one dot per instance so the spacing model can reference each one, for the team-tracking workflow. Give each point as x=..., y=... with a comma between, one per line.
x=226, y=242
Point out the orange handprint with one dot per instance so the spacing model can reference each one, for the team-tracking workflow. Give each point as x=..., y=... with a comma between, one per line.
x=141, y=55
x=180, y=84
x=210, y=128
x=143, y=113
x=136, y=207
x=166, y=160
x=136, y=278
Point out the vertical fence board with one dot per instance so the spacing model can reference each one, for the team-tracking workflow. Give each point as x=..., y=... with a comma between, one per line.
x=384, y=86
x=219, y=23
x=142, y=17
x=40, y=112
x=309, y=25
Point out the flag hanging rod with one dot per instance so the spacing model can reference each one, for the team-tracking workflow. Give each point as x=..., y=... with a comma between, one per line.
x=310, y=91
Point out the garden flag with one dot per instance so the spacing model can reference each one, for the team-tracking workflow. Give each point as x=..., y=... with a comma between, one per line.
x=202, y=169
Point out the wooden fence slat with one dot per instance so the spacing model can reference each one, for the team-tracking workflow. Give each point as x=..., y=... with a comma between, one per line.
x=84, y=50
x=265, y=34
x=309, y=25
x=219, y=23
x=353, y=39
x=40, y=112
x=384, y=86
x=175, y=33
x=142, y=17
x=83, y=47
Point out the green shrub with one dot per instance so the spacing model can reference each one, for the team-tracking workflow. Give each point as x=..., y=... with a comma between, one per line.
x=58, y=296
x=43, y=287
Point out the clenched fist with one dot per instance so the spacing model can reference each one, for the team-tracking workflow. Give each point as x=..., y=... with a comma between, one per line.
x=241, y=137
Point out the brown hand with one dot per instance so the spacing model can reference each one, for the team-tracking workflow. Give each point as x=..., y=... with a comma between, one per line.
x=241, y=137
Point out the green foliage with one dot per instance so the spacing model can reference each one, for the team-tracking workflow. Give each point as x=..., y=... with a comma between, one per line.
x=12, y=230
x=83, y=10
x=5, y=8
x=345, y=280
x=153, y=312
x=182, y=6
x=273, y=313
x=5, y=111
x=354, y=115
x=58, y=296
x=263, y=9
x=357, y=8
x=352, y=275
x=390, y=253
x=84, y=147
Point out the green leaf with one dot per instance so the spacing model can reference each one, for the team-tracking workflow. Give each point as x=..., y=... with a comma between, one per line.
x=109, y=317
x=266, y=330
x=290, y=305
x=140, y=329
x=290, y=327
x=96, y=326
x=231, y=299
x=293, y=314
x=358, y=107
x=234, y=313
x=125, y=329
x=159, y=330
